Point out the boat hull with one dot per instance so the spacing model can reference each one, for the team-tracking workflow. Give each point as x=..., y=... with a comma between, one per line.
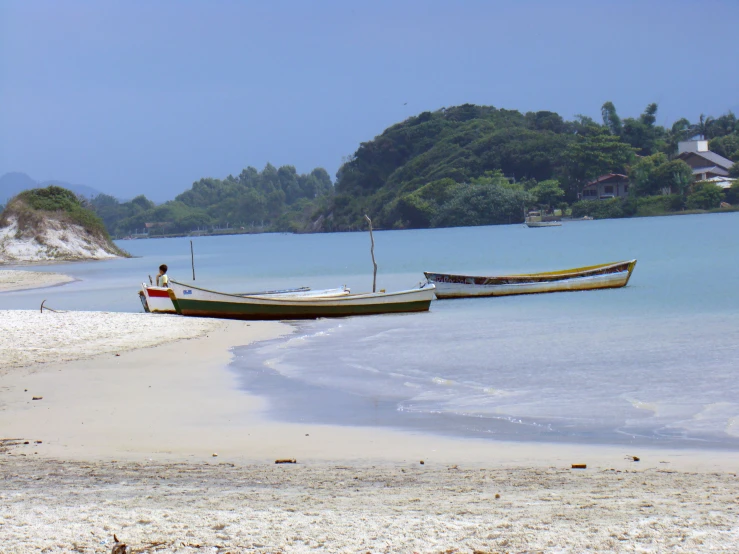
x=537, y=224
x=192, y=301
x=604, y=276
x=157, y=300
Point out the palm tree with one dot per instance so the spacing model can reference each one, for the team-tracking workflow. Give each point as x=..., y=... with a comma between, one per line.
x=681, y=130
x=704, y=127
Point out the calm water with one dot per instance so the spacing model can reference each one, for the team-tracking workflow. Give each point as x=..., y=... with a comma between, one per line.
x=656, y=362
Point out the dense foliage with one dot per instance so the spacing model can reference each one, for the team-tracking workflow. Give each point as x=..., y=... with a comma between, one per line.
x=273, y=199
x=407, y=173
x=466, y=165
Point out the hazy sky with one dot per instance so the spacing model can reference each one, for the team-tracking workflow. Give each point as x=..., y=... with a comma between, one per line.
x=146, y=97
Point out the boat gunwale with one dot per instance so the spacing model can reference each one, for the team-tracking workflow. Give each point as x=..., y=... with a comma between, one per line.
x=298, y=300
x=574, y=272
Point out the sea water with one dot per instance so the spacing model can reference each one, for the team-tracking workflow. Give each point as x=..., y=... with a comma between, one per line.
x=656, y=362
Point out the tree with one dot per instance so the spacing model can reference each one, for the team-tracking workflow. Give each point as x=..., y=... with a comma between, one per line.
x=673, y=177
x=585, y=126
x=643, y=175
x=681, y=130
x=703, y=127
x=486, y=202
x=611, y=119
x=732, y=195
x=641, y=133
x=726, y=146
x=547, y=192
x=704, y=196
x=589, y=157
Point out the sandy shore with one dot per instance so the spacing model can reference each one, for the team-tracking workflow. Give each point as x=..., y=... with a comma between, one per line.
x=31, y=337
x=127, y=443
x=219, y=507
x=17, y=279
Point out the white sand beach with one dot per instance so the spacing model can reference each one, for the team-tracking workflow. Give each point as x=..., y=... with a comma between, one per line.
x=17, y=279
x=31, y=337
x=159, y=446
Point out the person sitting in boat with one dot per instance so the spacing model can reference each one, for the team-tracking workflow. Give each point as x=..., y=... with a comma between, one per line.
x=162, y=279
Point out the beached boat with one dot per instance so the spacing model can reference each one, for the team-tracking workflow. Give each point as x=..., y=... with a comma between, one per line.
x=157, y=300
x=603, y=276
x=194, y=301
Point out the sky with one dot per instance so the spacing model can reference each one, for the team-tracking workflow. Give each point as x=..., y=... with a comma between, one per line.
x=139, y=97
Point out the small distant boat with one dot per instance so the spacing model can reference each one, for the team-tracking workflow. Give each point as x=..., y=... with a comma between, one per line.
x=603, y=276
x=535, y=219
x=194, y=301
x=157, y=300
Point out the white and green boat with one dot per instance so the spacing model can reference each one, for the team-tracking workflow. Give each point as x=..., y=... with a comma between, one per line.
x=194, y=301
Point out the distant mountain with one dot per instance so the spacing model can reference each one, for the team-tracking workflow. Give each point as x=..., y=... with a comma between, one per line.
x=16, y=182
x=79, y=190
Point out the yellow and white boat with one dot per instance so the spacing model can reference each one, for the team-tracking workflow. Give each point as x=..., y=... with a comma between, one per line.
x=603, y=276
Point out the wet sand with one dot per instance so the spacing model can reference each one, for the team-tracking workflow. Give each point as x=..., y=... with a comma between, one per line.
x=17, y=279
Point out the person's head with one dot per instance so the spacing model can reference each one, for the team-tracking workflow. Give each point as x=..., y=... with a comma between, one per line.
x=162, y=269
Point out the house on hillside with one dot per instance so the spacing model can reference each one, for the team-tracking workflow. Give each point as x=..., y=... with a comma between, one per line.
x=611, y=185
x=706, y=165
x=157, y=225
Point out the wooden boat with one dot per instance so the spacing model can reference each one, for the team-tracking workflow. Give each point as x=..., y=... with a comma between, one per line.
x=194, y=301
x=536, y=224
x=603, y=276
x=156, y=299
x=535, y=220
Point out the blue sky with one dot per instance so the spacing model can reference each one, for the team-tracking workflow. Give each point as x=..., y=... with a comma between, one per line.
x=146, y=97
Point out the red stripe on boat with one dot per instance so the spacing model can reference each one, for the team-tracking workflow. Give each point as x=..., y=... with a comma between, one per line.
x=157, y=293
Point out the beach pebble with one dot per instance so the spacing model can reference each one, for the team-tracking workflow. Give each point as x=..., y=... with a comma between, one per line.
x=37, y=398
x=215, y=454
x=497, y=495
x=422, y=462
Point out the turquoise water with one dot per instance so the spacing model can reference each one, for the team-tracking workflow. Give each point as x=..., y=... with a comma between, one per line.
x=655, y=362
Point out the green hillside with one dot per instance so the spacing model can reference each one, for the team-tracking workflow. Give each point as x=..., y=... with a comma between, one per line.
x=472, y=165
x=465, y=165
x=254, y=201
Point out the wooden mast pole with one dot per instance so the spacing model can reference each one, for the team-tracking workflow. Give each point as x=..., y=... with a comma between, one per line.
x=192, y=260
x=372, y=252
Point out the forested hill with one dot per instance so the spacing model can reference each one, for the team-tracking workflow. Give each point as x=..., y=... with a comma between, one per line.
x=254, y=201
x=472, y=165
x=466, y=165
